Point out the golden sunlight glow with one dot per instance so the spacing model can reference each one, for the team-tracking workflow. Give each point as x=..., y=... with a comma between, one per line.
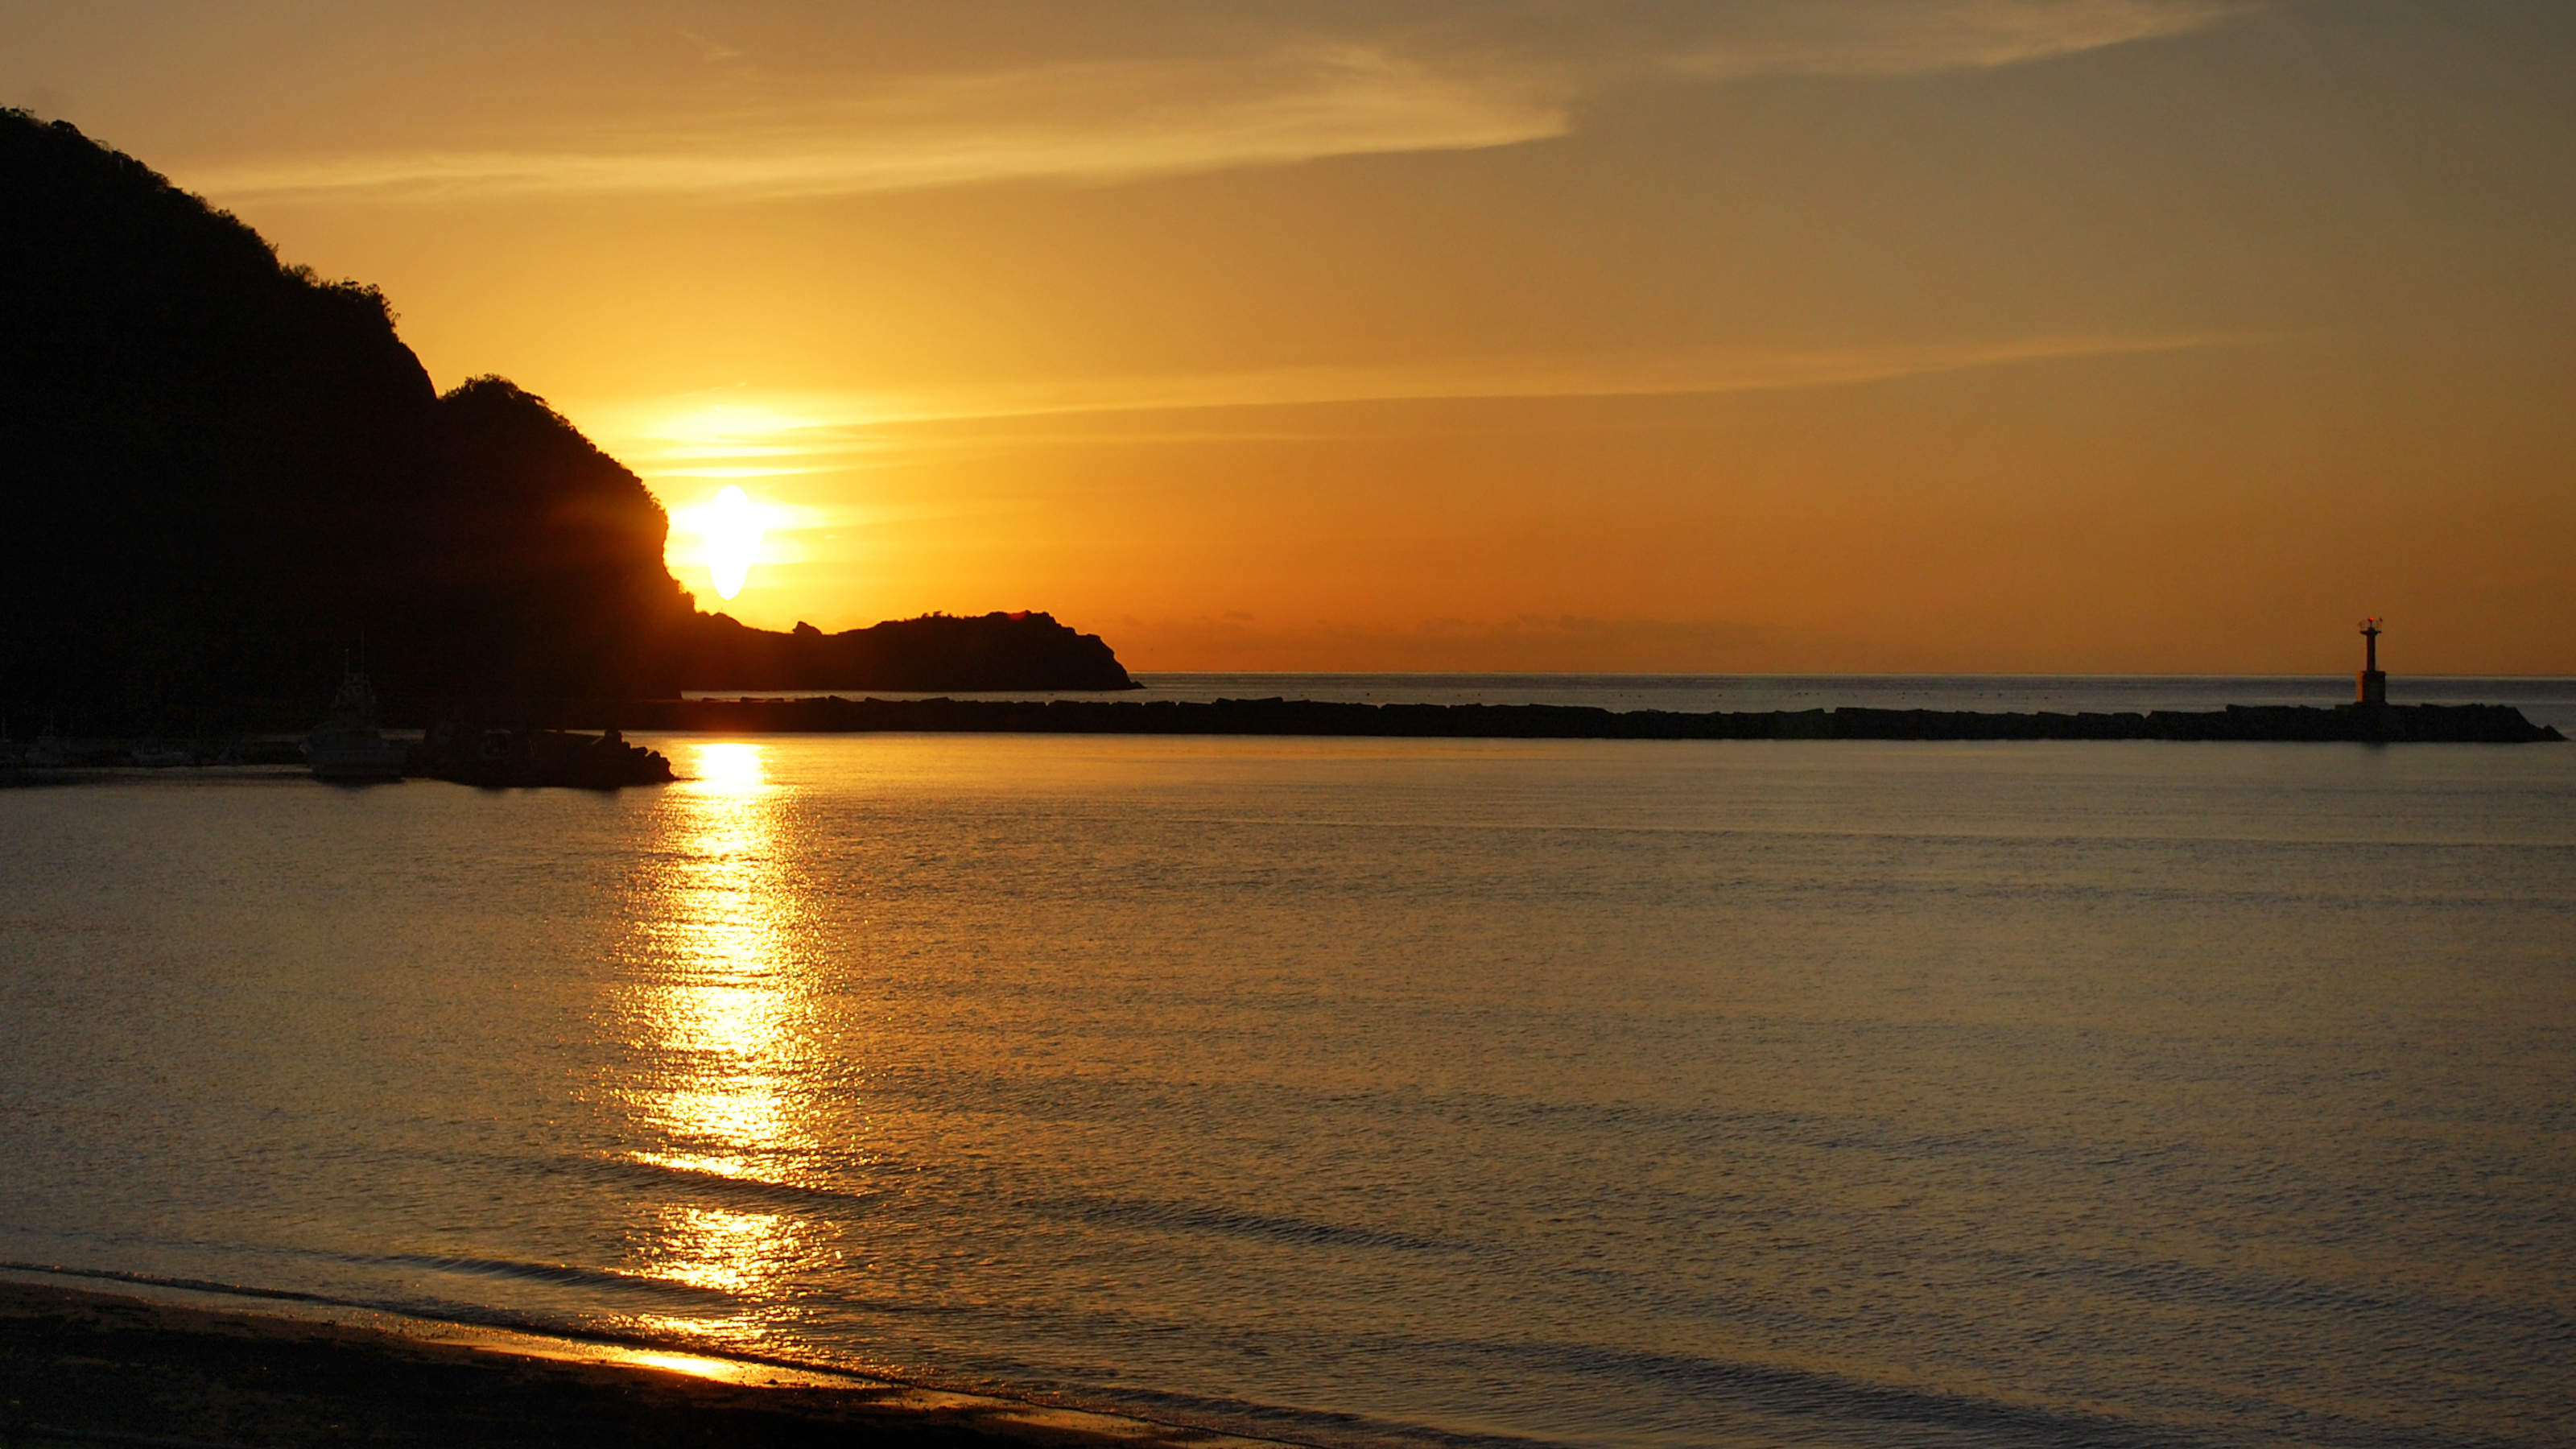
x=684, y=444
x=719, y=1014
x=721, y=1248
x=726, y=429
x=730, y=770
x=690, y=1364
x=731, y=528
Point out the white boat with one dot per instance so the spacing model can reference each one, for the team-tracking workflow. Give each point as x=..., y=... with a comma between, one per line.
x=152, y=753
x=346, y=745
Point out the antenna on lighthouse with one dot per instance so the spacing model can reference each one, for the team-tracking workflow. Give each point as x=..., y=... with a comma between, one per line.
x=2374, y=684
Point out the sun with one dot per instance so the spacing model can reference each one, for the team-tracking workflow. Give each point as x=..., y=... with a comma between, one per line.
x=730, y=530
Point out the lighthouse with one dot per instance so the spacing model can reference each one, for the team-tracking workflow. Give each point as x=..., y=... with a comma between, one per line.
x=2374, y=684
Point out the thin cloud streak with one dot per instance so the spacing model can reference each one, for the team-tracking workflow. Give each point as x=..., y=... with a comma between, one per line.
x=1906, y=37
x=1064, y=123
x=822, y=433
x=1664, y=373
x=1478, y=86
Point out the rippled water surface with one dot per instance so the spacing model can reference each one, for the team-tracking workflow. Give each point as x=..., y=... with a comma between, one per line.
x=1612, y=1093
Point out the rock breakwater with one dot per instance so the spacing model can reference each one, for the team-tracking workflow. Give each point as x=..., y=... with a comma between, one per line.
x=2381, y=724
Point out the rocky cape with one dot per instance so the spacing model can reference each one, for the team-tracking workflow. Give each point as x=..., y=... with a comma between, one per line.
x=1016, y=651
x=2377, y=724
x=221, y=472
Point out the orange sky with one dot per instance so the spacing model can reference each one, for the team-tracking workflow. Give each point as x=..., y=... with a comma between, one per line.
x=2118, y=335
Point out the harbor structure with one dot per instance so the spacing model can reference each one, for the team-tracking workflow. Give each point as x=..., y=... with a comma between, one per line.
x=2373, y=682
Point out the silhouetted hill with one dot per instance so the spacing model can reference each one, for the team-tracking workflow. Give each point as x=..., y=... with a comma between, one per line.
x=219, y=470
x=996, y=651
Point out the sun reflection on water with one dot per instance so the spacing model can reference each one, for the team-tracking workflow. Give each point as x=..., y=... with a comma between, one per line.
x=716, y=1013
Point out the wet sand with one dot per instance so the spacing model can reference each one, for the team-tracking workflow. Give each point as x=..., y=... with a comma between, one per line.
x=84, y=1367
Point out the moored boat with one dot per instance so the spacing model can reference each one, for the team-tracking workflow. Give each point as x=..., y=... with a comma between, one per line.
x=347, y=746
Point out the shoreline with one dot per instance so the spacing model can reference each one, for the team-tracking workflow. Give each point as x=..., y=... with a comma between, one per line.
x=92, y=1356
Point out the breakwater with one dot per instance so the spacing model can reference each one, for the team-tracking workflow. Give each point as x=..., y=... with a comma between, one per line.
x=2377, y=724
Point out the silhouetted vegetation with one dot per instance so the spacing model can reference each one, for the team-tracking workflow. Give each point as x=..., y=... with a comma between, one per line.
x=220, y=471
x=937, y=651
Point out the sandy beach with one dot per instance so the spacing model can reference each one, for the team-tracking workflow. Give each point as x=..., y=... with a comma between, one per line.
x=79, y=1366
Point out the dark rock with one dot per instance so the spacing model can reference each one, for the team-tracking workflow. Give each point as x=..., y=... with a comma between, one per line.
x=1022, y=650
x=511, y=759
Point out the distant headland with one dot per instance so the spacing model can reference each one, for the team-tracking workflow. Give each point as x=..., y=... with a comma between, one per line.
x=1014, y=651
x=222, y=471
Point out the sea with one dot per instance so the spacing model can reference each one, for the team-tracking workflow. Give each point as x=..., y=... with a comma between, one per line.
x=1372, y=1094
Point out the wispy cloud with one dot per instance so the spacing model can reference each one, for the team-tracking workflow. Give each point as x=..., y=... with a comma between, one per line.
x=713, y=52
x=1433, y=77
x=1083, y=122
x=1913, y=37
x=733, y=434
x=1528, y=642
x=1711, y=369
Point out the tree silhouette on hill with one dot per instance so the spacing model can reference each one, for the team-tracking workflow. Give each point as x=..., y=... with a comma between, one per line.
x=220, y=470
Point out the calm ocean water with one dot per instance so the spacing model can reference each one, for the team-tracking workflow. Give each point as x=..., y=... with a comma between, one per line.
x=1361, y=1092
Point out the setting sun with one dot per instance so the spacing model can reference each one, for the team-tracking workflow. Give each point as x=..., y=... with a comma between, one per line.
x=729, y=532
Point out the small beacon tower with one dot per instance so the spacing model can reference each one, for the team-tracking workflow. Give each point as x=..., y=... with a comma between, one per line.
x=2374, y=683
